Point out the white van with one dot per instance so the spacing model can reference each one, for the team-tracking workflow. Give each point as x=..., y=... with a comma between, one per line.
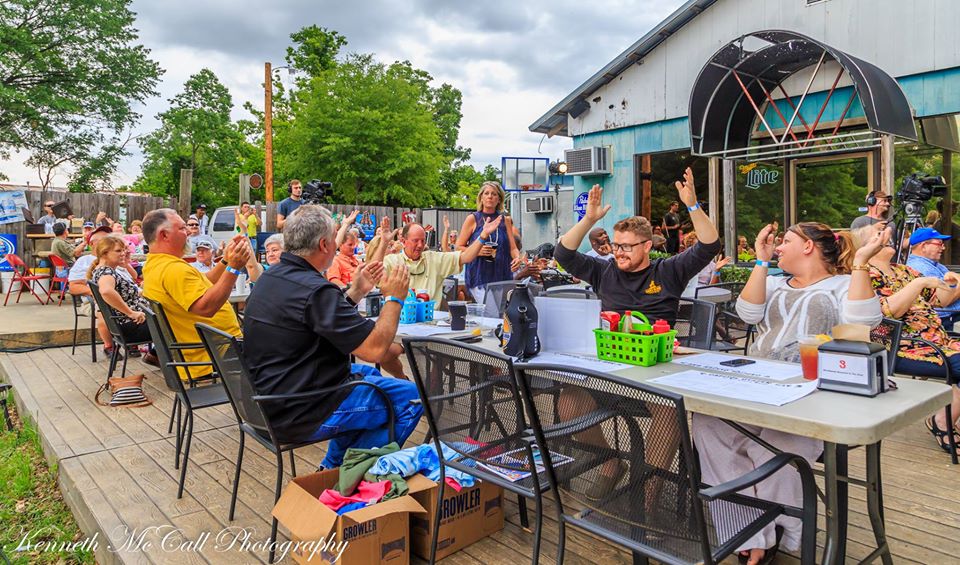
x=222, y=226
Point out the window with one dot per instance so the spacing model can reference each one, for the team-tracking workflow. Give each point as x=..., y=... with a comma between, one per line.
x=224, y=220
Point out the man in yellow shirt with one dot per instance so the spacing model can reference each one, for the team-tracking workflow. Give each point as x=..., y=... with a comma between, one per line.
x=248, y=223
x=429, y=268
x=187, y=295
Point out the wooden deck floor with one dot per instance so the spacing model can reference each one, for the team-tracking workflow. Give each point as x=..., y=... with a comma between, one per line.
x=116, y=473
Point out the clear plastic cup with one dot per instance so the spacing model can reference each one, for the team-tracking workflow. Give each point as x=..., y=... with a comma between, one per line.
x=809, y=354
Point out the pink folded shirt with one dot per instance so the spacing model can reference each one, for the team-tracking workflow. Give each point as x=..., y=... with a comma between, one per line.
x=368, y=493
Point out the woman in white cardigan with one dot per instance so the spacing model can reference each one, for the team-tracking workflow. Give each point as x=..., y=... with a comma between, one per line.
x=829, y=284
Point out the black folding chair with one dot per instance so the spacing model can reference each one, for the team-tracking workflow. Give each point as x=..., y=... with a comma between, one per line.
x=695, y=323
x=480, y=417
x=189, y=399
x=252, y=409
x=657, y=511
x=570, y=292
x=113, y=326
x=77, y=304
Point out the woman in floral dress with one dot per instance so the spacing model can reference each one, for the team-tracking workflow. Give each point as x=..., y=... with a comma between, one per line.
x=907, y=296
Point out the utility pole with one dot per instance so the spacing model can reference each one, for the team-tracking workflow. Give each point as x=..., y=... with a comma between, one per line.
x=268, y=131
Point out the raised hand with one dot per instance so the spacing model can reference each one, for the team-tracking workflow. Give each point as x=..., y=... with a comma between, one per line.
x=685, y=189
x=595, y=208
x=353, y=216
x=446, y=222
x=873, y=246
x=765, y=245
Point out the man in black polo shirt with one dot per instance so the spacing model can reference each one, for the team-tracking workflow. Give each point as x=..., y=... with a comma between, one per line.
x=632, y=282
x=300, y=330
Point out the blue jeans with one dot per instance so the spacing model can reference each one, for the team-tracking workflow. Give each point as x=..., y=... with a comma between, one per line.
x=360, y=420
x=927, y=369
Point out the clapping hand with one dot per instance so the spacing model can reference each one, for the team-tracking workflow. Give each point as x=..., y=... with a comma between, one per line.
x=686, y=189
x=238, y=251
x=396, y=282
x=490, y=226
x=367, y=276
x=595, y=208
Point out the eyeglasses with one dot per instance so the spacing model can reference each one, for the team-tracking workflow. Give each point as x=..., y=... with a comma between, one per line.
x=627, y=247
x=193, y=225
x=936, y=242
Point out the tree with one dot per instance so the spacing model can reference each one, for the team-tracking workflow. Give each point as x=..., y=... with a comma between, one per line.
x=196, y=133
x=70, y=73
x=363, y=126
x=467, y=184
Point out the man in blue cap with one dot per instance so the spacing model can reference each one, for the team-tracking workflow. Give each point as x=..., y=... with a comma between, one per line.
x=926, y=247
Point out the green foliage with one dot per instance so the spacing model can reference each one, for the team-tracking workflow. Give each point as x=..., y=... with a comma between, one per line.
x=315, y=50
x=70, y=74
x=362, y=126
x=467, y=184
x=196, y=133
x=30, y=501
x=731, y=273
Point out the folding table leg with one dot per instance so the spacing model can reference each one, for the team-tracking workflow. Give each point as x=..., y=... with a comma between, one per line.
x=875, y=505
x=835, y=488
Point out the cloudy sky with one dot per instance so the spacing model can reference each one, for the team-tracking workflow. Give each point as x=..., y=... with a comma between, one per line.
x=513, y=61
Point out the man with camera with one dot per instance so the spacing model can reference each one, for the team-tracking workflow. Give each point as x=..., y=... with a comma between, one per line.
x=289, y=204
x=878, y=206
x=300, y=330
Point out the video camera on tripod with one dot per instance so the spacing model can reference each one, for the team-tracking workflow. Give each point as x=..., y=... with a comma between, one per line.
x=911, y=200
x=316, y=192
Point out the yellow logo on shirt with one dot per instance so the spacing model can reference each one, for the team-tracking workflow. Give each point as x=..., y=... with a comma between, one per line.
x=654, y=288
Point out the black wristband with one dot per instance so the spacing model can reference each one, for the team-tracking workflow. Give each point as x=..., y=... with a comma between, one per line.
x=223, y=261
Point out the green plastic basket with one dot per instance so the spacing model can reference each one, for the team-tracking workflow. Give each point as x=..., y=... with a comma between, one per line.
x=635, y=349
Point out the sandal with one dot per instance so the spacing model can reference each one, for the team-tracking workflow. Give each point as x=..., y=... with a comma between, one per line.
x=940, y=435
x=769, y=554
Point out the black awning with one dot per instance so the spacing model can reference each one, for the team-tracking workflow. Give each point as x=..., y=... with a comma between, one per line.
x=722, y=117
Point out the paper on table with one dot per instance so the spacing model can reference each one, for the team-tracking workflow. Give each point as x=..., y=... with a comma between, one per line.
x=578, y=362
x=761, y=368
x=422, y=330
x=567, y=324
x=741, y=388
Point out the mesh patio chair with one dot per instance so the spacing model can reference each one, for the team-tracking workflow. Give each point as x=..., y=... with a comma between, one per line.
x=657, y=511
x=481, y=418
x=176, y=349
x=252, y=412
x=113, y=326
x=77, y=314
x=695, y=323
x=889, y=333
x=570, y=291
x=189, y=399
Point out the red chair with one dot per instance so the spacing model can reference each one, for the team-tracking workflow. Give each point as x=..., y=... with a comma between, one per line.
x=25, y=276
x=59, y=266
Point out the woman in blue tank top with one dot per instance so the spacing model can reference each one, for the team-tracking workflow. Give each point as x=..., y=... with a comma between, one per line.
x=500, y=256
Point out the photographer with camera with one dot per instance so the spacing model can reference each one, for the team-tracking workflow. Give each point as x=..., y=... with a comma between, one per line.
x=878, y=208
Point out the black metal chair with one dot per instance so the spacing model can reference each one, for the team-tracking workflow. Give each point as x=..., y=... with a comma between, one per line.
x=695, y=323
x=252, y=409
x=481, y=419
x=176, y=349
x=730, y=327
x=495, y=296
x=77, y=305
x=657, y=511
x=889, y=333
x=113, y=326
x=190, y=399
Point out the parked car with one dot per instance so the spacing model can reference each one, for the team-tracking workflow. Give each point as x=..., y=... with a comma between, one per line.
x=223, y=225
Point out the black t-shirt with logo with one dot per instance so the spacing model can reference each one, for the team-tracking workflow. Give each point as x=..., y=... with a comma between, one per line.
x=655, y=291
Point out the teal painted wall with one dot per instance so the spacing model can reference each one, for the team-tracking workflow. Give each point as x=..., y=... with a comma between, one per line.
x=930, y=94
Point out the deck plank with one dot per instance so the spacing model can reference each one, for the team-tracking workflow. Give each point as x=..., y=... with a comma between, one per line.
x=116, y=473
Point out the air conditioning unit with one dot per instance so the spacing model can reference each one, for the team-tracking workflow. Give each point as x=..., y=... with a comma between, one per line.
x=587, y=161
x=538, y=205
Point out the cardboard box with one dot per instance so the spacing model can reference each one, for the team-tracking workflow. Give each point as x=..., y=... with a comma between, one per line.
x=468, y=516
x=375, y=534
